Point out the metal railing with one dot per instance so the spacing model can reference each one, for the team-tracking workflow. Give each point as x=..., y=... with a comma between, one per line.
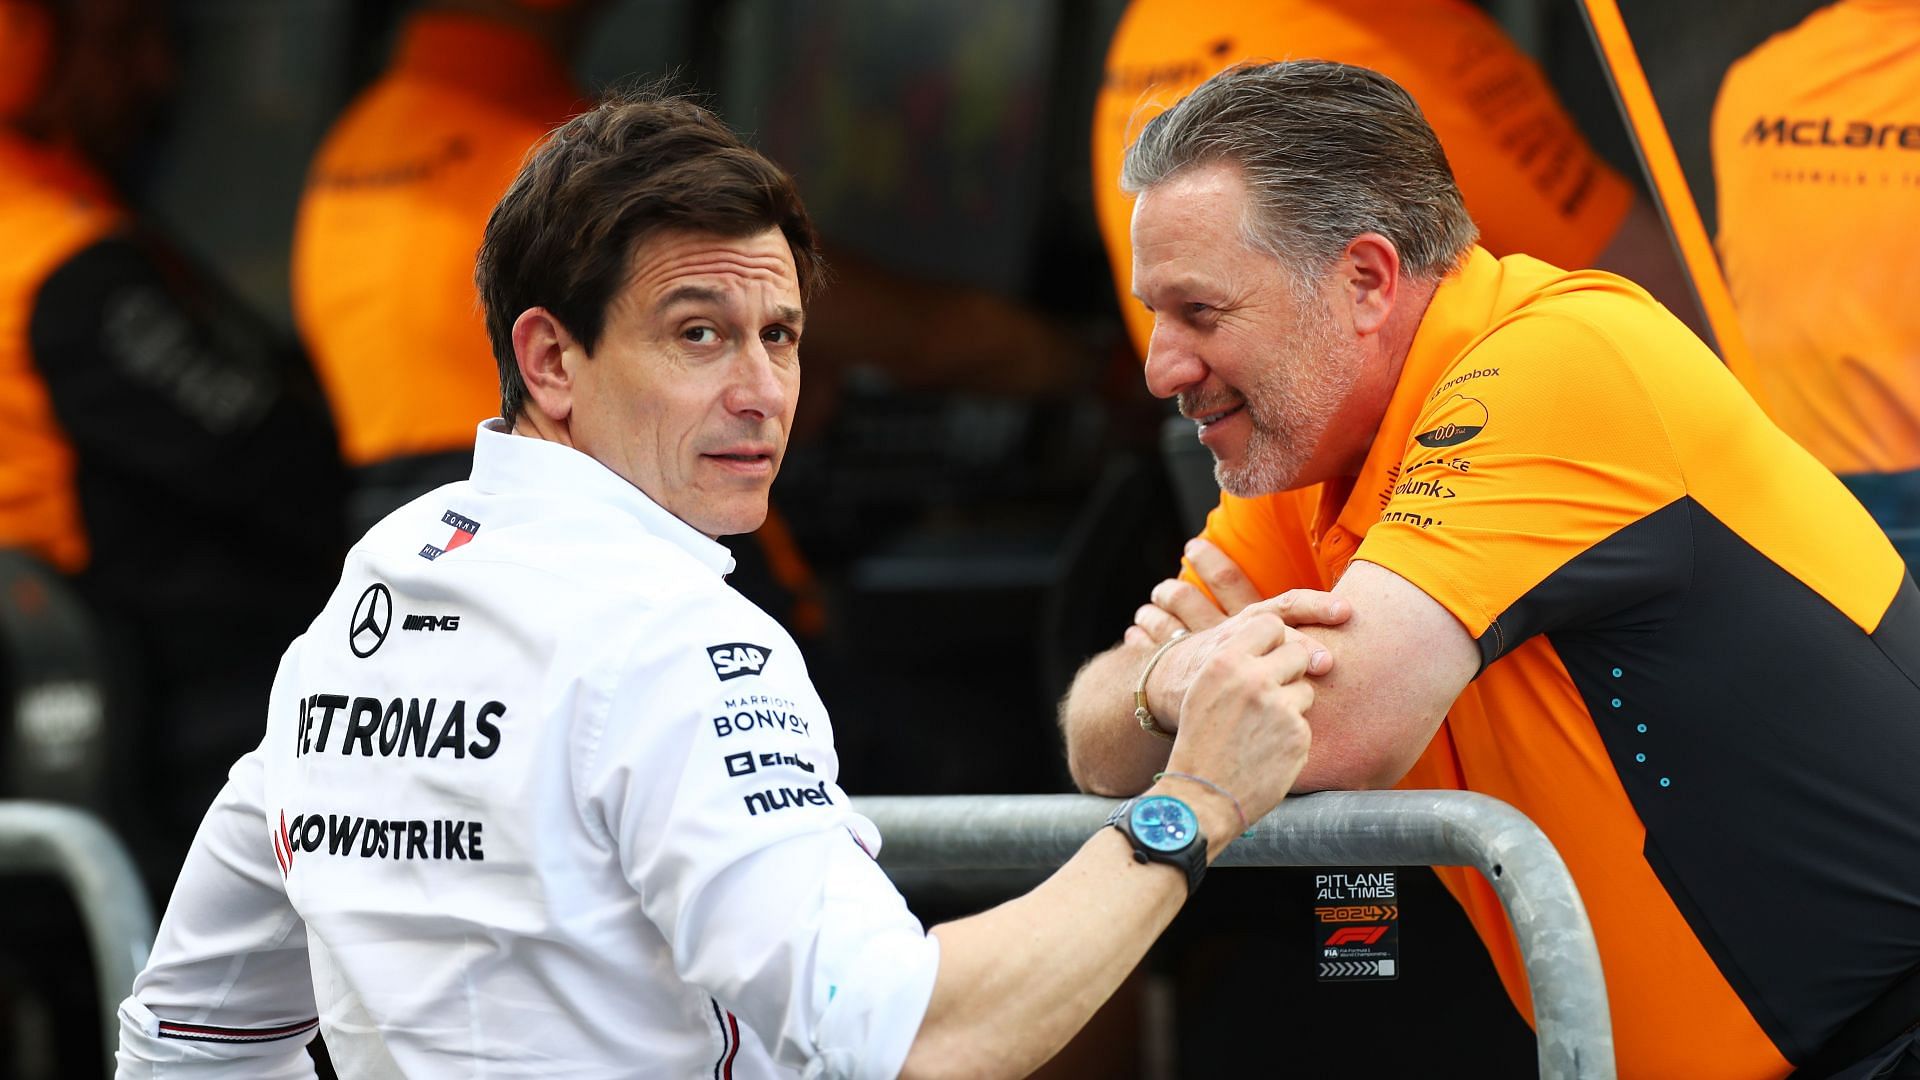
x=1377, y=828
x=41, y=838
x=1444, y=828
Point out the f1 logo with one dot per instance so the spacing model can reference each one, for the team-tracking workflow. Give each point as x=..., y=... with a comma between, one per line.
x=737, y=658
x=1357, y=935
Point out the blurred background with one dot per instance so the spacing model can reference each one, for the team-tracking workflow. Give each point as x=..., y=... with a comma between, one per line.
x=236, y=326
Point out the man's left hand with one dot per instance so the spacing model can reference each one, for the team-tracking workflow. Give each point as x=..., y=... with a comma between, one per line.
x=1176, y=605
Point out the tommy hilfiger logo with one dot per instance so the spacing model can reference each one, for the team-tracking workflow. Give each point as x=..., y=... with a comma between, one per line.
x=463, y=529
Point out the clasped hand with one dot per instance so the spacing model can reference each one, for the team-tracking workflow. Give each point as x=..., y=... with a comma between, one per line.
x=1176, y=605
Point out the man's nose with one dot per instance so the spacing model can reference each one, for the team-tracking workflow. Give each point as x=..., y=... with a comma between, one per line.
x=1172, y=366
x=758, y=388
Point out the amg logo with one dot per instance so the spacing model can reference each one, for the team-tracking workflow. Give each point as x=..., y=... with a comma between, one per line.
x=431, y=622
x=1826, y=131
x=782, y=798
x=737, y=658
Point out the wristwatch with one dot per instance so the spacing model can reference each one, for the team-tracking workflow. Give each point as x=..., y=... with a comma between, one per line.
x=1163, y=829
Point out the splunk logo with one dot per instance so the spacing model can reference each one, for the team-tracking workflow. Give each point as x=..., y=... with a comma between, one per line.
x=785, y=798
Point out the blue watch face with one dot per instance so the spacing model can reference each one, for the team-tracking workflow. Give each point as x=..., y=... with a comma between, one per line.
x=1163, y=823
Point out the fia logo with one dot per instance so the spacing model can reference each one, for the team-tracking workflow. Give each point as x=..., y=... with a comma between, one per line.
x=737, y=658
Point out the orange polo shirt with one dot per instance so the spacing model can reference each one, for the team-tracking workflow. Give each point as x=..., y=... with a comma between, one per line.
x=396, y=203
x=52, y=206
x=1701, y=658
x=1816, y=159
x=1530, y=180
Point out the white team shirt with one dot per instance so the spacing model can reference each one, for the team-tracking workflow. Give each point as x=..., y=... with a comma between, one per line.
x=540, y=796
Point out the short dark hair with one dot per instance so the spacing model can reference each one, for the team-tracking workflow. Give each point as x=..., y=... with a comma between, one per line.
x=564, y=234
x=1328, y=151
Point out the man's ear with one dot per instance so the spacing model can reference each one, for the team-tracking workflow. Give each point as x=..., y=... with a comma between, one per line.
x=1369, y=275
x=541, y=344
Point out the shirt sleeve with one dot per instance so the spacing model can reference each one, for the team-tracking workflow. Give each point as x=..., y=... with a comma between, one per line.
x=227, y=991
x=1528, y=495
x=715, y=779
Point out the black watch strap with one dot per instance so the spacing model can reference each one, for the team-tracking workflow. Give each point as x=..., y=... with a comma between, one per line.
x=1191, y=858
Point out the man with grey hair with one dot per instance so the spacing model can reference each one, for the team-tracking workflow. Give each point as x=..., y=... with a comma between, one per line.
x=1559, y=556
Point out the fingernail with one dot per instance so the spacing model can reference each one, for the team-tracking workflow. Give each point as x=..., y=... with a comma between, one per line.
x=1191, y=547
x=1321, y=660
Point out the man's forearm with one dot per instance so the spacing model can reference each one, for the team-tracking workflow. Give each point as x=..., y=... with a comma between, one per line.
x=1017, y=981
x=1107, y=752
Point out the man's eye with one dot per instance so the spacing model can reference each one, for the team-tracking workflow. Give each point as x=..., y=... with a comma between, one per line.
x=701, y=335
x=1197, y=308
x=779, y=335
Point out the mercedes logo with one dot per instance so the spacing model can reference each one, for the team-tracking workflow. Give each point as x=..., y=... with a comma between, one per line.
x=372, y=616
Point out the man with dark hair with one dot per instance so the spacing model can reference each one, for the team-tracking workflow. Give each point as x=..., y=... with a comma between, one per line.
x=1571, y=565
x=541, y=795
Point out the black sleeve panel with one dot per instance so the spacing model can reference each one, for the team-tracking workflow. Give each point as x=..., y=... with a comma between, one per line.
x=206, y=456
x=1633, y=578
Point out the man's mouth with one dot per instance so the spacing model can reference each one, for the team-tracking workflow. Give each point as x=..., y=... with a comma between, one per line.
x=1208, y=419
x=744, y=459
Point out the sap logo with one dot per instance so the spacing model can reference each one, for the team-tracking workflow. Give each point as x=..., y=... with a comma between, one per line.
x=431, y=622
x=782, y=798
x=737, y=658
x=747, y=762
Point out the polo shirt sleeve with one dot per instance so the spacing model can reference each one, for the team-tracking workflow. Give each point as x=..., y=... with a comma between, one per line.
x=1529, y=494
x=714, y=777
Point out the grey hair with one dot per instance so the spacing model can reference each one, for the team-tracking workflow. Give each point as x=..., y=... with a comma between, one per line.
x=1328, y=151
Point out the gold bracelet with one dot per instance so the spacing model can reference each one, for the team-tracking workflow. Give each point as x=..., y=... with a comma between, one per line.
x=1140, y=711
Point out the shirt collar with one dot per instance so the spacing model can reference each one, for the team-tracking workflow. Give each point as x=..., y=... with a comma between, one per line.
x=505, y=463
x=1458, y=313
